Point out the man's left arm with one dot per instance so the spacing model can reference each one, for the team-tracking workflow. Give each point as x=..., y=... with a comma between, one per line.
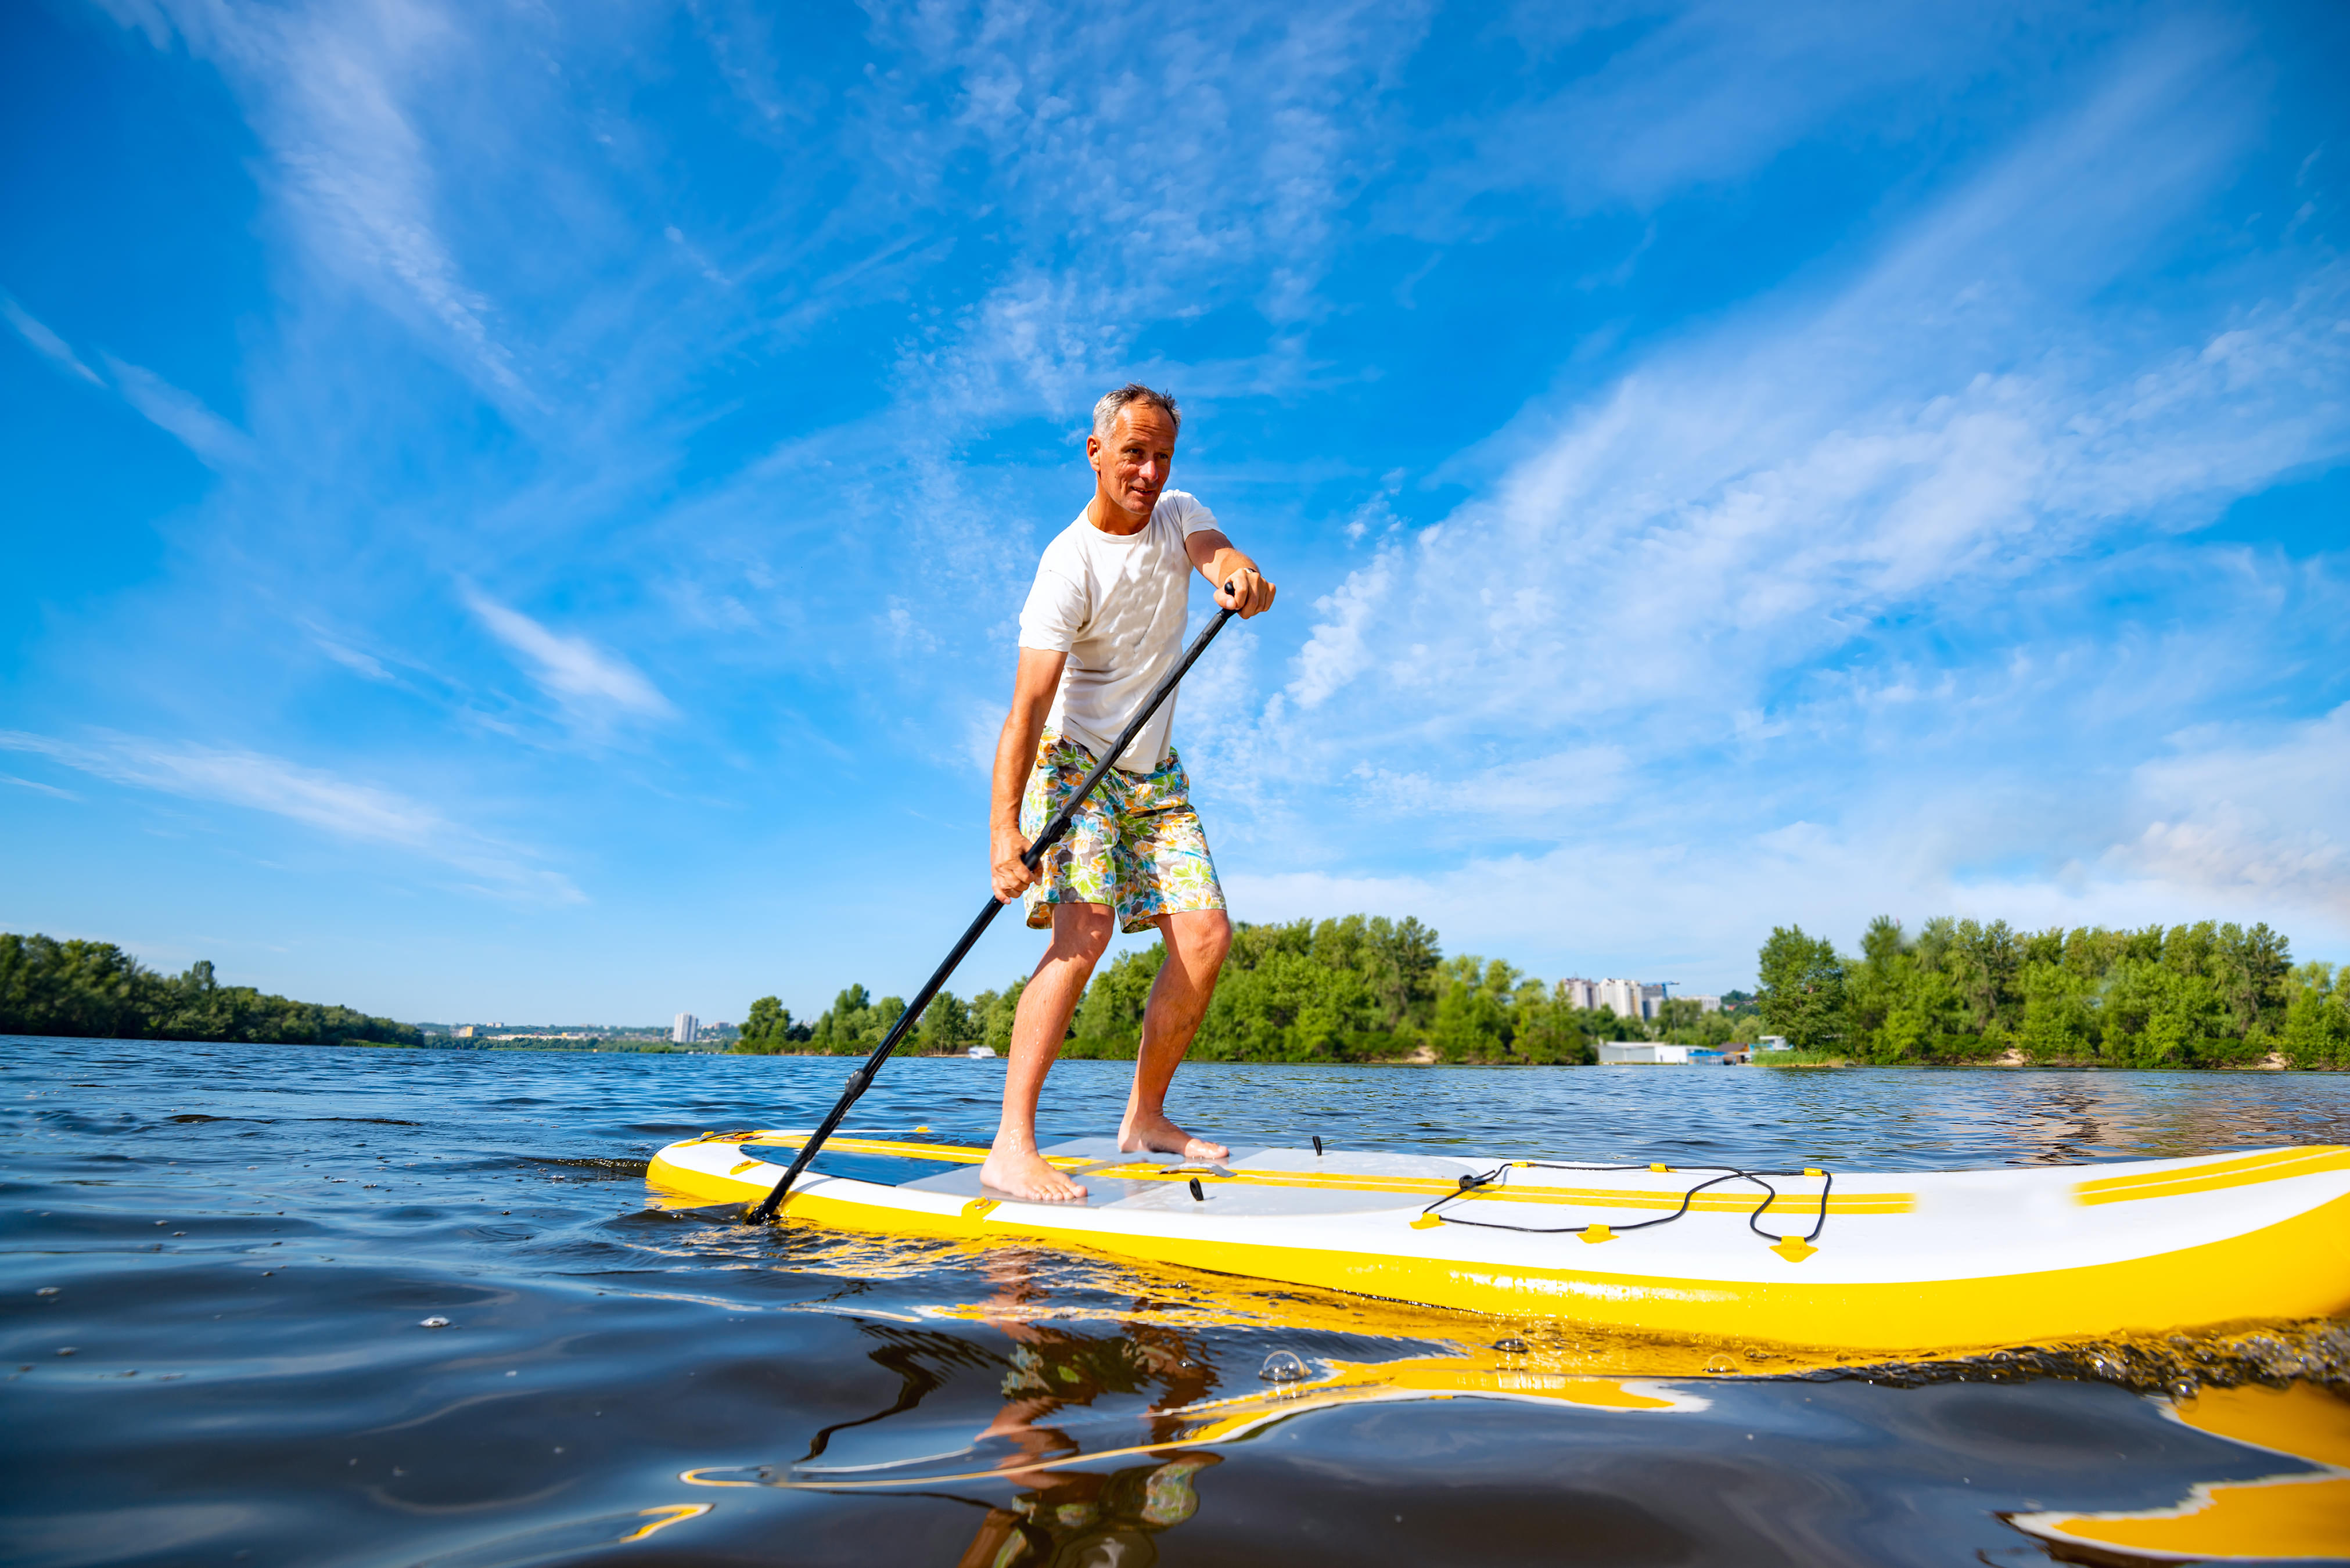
x=1220, y=562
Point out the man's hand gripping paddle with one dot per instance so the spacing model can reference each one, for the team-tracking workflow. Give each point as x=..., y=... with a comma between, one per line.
x=862, y=1079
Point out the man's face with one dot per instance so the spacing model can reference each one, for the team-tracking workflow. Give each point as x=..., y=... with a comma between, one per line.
x=1133, y=460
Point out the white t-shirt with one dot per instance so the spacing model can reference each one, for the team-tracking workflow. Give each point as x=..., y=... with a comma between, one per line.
x=1115, y=605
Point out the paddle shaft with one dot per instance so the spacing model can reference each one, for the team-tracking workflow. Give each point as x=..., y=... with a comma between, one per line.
x=862, y=1079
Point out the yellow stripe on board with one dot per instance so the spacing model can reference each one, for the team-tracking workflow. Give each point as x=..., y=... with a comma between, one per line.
x=2215, y=1176
x=1718, y=1200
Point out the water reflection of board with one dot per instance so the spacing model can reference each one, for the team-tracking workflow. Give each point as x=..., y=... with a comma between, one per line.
x=2302, y=1512
x=1878, y=1261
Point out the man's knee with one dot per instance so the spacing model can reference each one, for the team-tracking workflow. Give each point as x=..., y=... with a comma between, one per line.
x=1081, y=933
x=1202, y=936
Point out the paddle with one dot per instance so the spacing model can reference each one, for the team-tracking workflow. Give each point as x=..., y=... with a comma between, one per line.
x=862, y=1079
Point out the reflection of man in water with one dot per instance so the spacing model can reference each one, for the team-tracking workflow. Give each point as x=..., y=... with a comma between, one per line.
x=1080, y=1515
x=1089, y=1517
x=1052, y=1369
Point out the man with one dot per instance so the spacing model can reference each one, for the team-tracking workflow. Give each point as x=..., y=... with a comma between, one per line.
x=1103, y=624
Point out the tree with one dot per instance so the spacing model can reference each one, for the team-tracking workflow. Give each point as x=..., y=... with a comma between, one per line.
x=97, y=990
x=1548, y=1029
x=2318, y=1017
x=768, y=1028
x=947, y=1024
x=855, y=1022
x=1474, y=1019
x=994, y=1011
x=1801, y=985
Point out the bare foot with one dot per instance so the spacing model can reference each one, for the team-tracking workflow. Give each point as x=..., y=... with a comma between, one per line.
x=1026, y=1174
x=1155, y=1134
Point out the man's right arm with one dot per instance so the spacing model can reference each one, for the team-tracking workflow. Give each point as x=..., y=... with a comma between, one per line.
x=1033, y=687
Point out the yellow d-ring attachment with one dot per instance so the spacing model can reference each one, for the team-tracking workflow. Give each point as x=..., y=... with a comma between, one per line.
x=978, y=1208
x=746, y=1165
x=1597, y=1233
x=1662, y=1169
x=1794, y=1249
x=1427, y=1222
x=1814, y=1171
x=921, y=1129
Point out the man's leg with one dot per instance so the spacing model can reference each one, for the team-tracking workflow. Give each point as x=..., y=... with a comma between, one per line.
x=1197, y=940
x=1080, y=933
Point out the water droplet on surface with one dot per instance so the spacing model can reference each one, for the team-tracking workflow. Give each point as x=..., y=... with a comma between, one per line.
x=47, y=1291
x=1719, y=1363
x=1281, y=1366
x=1510, y=1346
x=434, y=1323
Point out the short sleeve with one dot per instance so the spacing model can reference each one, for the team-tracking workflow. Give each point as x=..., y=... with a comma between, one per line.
x=1056, y=608
x=1190, y=514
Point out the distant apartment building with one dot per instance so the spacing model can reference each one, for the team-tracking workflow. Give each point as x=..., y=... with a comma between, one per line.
x=1624, y=997
x=686, y=1030
x=1621, y=997
x=466, y=1032
x=1627, y=998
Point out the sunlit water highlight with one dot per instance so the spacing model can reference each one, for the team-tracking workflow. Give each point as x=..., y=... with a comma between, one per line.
x=241, y=1247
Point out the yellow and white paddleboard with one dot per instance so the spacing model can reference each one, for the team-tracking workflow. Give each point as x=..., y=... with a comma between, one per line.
x=1915, y=1262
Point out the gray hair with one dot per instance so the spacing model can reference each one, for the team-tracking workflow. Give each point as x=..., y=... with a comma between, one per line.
x=1106, y=412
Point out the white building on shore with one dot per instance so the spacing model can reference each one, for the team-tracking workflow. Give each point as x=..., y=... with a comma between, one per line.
x=686, y=1030
x=1655, y=1053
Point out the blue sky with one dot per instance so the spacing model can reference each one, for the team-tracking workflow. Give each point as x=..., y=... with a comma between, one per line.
x=519, y=512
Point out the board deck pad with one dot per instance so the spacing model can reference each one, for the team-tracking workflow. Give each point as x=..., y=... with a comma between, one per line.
x=1106, y=1188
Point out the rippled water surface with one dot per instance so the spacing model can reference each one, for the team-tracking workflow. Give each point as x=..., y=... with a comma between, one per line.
x=220, y=1261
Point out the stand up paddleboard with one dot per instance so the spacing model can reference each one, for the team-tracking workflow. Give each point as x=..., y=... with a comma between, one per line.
x=1893, y=1261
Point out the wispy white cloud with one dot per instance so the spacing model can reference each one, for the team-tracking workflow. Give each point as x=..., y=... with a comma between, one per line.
x=219, y=444
x=1743, y=503
x=1212, y=169
x=2243, y=819
x=338, y=808
x=1689, y=94
x=594, y=685
x=1339, y=648
x=36, y=785
x=328, y=88
x=365, y=665
x=55, y=349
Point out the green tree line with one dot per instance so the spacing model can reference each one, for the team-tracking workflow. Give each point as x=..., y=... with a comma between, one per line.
x=1359, y=989
x=2202, y=995
x=97, y=991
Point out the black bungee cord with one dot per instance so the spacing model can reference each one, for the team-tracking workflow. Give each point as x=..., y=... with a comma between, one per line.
x=1730, y=1173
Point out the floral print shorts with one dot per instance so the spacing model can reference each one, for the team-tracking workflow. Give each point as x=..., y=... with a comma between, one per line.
x=1136, y=844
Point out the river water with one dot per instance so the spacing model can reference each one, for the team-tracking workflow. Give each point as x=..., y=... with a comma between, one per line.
x=220, y=1263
